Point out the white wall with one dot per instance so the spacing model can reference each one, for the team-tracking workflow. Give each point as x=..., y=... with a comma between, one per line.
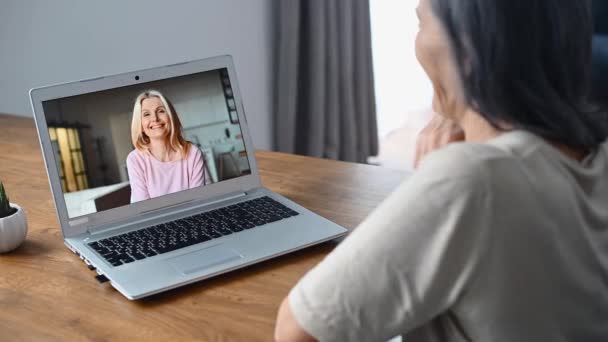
x=46, y=42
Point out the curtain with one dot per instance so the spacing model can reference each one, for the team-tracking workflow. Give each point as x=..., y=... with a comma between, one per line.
x=325, y=105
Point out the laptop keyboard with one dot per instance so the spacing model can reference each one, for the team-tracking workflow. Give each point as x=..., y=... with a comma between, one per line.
x=170, y=236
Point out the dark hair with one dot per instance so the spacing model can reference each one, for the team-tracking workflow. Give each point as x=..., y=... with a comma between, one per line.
x=527, y=63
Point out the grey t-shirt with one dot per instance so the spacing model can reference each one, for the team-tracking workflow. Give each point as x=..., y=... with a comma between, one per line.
x=504, y=241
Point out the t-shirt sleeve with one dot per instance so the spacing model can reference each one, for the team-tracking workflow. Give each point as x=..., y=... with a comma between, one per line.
x=207, y=177
x=137, y=179
x=197, y=174
x=406, y=263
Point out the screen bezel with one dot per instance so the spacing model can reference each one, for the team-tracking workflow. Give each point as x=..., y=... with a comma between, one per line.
x=160, y=205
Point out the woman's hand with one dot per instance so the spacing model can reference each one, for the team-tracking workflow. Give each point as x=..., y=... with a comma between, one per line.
x=439, y=132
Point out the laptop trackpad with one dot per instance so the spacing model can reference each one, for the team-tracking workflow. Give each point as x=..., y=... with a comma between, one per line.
x=200, y=260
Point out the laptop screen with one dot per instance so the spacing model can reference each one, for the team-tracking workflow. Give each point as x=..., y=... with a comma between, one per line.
x=133, y=143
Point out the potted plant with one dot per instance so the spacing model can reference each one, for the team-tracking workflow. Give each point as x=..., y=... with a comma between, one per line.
x=13, y=223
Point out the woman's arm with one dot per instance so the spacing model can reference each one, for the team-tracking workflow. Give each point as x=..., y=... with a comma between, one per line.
x=198, y=173
x=137, y=179
x=405, y=264
x=288, y=328
x=207, y=177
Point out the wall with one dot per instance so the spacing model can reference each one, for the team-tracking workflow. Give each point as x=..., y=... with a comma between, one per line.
x=48, y=42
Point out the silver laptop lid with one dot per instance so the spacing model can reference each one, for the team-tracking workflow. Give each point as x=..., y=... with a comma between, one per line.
x=86, y=134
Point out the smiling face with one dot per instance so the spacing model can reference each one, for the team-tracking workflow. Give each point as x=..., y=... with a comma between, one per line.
x=155, y=120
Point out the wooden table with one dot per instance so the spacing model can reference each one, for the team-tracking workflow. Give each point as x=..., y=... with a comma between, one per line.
x=47, y=293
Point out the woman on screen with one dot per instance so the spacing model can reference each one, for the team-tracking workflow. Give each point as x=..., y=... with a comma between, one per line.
x=163, y=162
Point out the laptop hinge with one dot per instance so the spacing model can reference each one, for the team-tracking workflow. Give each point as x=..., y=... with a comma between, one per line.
x=147, y=213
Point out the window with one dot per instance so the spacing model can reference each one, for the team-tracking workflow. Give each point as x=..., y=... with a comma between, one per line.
x=67, y=146
x=402, y=87
x=403, y=91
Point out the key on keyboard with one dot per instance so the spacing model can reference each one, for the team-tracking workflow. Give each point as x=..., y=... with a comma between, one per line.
x=170, y=236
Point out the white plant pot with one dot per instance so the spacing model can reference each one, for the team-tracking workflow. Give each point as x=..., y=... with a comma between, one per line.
x=13, y=230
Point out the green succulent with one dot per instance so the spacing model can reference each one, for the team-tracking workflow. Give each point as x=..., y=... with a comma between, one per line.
x=5, y=206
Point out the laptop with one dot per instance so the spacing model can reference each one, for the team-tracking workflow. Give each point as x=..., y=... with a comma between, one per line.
x=155, y=180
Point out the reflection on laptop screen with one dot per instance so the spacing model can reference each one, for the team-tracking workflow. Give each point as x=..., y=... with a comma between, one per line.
x=133, y=143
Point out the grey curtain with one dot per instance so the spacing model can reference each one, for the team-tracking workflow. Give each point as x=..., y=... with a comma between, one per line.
x=325, y=105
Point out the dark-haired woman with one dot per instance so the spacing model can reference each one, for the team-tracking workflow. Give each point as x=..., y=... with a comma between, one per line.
x=503, y=237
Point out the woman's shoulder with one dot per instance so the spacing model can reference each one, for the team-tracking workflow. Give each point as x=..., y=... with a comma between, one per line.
x=463, y=160
x=136, y=156
x=194, y=152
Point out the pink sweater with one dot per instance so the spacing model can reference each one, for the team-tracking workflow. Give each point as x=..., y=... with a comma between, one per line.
x=151, y=178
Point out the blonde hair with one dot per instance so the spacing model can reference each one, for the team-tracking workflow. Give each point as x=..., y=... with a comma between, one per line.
x=141, y=141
